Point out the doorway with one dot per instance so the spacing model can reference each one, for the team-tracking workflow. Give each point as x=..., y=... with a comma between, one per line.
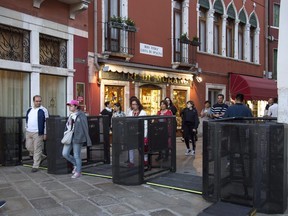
x=150, y=97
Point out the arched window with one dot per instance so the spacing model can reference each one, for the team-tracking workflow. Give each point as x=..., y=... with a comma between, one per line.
x=230, y=26
x=217, y=27
x=204, y=7
x=253, y=26
x=241, y=31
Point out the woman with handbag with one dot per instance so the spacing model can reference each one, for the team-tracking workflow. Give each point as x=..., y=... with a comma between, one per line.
x=77, y=122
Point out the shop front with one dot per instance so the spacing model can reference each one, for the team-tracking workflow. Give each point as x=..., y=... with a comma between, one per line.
x=119, y=83
x=256, y=91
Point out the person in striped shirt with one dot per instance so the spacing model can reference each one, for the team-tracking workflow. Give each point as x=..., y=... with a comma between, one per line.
x=218, y=110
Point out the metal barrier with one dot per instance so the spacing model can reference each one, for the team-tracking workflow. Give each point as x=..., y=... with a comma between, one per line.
x=98, y=152
x=245, y=162
x=11, y=137
x=142, y=147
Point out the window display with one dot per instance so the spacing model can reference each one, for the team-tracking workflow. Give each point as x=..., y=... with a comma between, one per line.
x=114, y=94
x=150, y=97
x=179, y=100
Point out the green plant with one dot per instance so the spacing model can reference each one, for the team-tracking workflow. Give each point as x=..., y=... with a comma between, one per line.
x=129, y=22
x=116, y=19
x=184, y=36
x=195, y=39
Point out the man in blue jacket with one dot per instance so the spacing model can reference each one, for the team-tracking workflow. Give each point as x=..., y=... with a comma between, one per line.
x=36, y=131
x=239, y=109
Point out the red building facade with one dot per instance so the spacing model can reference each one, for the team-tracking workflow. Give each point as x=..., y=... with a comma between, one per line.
x=158, y=55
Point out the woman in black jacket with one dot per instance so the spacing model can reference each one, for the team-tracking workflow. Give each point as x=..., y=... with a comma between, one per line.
x=190, y=122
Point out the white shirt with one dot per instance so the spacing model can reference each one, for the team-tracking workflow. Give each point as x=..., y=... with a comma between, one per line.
x=32, y=124
x=273, y=110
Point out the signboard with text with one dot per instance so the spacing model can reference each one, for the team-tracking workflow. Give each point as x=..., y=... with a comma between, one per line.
x=151, y=50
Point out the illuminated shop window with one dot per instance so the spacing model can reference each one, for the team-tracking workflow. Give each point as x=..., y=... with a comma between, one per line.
x=150, y=97
x=114, y=94
x=179, y=100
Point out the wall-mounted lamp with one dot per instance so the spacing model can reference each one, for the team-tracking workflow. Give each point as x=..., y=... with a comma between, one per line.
x=105, y=68
x=199, y=79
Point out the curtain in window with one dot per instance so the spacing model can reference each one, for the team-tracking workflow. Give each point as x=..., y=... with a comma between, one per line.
x=14, y=93
x=216, y=39
x=53, y=92
x=240, y=42
x=252, y=32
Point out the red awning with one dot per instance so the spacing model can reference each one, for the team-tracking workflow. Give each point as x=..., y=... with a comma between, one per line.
x=253, y=88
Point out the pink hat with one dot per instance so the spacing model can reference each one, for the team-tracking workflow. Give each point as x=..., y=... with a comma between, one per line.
x=73, y=102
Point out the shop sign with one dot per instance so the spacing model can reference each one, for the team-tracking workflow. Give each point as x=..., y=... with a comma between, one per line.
x=145, y=78
x=151, y=50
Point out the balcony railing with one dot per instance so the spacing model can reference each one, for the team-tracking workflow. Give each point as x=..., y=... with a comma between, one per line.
x=119, y=40
x=184, y=53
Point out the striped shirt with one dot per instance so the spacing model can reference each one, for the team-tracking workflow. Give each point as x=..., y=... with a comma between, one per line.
x=219, y=109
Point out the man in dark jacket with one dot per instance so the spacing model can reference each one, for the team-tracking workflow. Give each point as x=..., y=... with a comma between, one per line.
x=190, y=122
x=36, y=131
x=239, y=109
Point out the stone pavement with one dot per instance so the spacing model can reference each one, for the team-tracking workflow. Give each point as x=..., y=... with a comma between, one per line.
x=46, y=194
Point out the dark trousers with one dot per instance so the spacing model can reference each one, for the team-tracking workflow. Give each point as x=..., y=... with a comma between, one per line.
x=189, y=134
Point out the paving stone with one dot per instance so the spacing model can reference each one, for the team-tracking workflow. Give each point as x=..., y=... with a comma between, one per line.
x=119, y=209
x=23, y=212
x=31, y=190
x=104, y=200
x=111, y=188
x=163, y=212
x=91, y=193
x=9, y=192
x=65, y=195
x=52, y=185
x=44, y=203
x=4, y=184
x=83, y=207
x=58, y=211
x=15, y=204
x=79, y=185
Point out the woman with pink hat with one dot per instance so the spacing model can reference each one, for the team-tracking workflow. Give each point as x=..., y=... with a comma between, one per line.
x=77, y=122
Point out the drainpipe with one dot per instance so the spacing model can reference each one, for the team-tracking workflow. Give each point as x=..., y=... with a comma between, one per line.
x=267, y=28
x=95, y=36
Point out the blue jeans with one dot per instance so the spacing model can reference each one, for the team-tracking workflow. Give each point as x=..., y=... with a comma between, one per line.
x=76, y=158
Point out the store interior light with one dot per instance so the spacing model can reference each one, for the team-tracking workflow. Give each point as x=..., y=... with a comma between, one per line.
x=105, y=68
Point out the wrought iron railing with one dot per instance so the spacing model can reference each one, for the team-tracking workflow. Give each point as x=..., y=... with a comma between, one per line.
x=184, y=52
x=119, y=39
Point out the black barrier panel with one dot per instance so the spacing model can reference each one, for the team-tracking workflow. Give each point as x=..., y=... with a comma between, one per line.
x=244, y=162
x=11, y=137
x=142, y=146
x=99, y=134
x=56, y=163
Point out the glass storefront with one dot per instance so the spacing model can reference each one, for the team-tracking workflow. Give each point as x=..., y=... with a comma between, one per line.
x=150, y=97
x=53, y=92
x=14, y=93
x=114, y=94
x=257, y=107
x=179, y=100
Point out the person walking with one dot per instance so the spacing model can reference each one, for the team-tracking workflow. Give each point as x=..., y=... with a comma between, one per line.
x=136, y=110
x=218, y=110
x=239, y=109
x=108, y=111
x=77, y=121
x=171, y=106
x=164, y=111
x=190, y=124
x=36, y=131
x=117, y=111
x=273, y=109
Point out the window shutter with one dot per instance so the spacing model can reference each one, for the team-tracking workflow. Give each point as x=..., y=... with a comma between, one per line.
x=242, y=17
x=231, y=12
x=253, y=21
x=218, y=7
x=204, y=4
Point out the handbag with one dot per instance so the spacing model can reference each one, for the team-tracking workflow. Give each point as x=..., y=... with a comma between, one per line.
x=67, y=138
x=68, y=135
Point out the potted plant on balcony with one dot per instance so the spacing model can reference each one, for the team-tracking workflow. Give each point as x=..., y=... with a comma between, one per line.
x=184, y=38
x=195, y=41
x=130, y=25
x=116, y=22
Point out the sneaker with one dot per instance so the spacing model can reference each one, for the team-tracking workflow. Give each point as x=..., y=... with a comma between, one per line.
x=193, y=152
x=182, y=139
x=188, y=152
x=34, y=170
x=74, y=170
x=2, y=203
x=76, y=175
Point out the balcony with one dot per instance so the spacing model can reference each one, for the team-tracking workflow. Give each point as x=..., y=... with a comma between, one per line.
x=119, y=41
x=76, y=6
x=184, y=54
